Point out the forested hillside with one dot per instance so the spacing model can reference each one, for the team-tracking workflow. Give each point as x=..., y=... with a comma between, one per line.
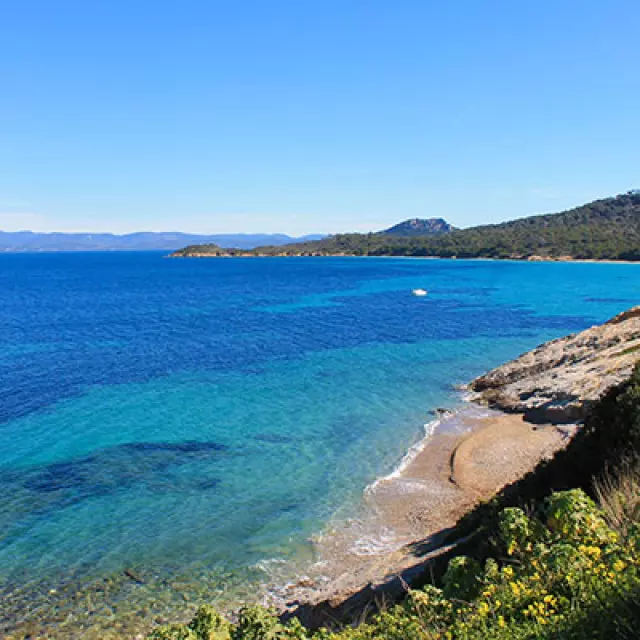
x=606, y=229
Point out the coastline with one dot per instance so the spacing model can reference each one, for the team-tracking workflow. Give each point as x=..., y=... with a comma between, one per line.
x=534, y=259
x=465, y=457
x=537, y=402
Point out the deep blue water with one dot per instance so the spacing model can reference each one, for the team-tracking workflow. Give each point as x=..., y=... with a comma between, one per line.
x=213, y=414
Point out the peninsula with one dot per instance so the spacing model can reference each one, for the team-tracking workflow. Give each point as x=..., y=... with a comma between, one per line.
x=607, y=229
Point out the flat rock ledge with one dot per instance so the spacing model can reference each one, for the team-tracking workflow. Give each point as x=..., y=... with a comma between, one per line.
x=559, y=380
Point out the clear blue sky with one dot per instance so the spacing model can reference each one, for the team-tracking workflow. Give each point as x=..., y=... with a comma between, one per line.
x=312, y=115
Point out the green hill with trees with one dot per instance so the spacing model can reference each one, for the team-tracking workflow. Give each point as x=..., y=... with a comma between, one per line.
x=607, y=229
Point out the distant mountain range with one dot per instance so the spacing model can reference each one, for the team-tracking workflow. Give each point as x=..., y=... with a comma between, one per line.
x=170, y=241
x=603, y=229
x=420, y=227
x=607, y=229
x=142, y=241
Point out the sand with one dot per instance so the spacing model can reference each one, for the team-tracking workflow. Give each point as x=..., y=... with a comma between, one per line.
x=406, y=514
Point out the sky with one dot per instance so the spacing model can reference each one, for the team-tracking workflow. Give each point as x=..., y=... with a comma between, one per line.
x=312, y=116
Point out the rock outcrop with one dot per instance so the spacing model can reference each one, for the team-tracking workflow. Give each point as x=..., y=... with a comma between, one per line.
x=559, y=380
x=420, y=227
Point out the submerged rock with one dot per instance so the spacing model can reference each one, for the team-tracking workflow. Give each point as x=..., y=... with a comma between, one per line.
x=133, y=575
x=153, y=466
x=558, y=381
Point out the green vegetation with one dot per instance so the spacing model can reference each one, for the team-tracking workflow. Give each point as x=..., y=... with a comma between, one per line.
x=605, y=229
x=562, y=572
x=204, y=249
x=254, y=623
x=541, y=560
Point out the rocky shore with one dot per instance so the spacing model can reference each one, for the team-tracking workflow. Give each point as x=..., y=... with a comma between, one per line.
x=559, y=380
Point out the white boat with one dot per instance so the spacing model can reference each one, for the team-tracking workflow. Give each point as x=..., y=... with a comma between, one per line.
x=419, y=292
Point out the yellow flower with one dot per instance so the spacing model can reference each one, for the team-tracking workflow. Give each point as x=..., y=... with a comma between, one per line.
x=500, y=621
x=618, y=565
x=490, y=590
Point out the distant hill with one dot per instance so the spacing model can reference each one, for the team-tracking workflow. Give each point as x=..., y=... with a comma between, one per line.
x=420, y=227
x=606, y=229
x=142, y=241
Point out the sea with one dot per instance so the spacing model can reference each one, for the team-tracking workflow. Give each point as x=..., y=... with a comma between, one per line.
x=177, y=431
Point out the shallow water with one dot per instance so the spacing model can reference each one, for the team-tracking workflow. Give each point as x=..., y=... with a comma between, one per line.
x=197, y=421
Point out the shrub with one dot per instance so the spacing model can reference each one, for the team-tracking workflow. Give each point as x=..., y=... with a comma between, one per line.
x=173, y=632
x=517, y=532
x=462, y=578
x=258, y=623
x=574, y=516
x=208, y=624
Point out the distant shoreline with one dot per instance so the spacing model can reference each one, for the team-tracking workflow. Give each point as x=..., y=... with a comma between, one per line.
x=163, y=253
x=531, y=259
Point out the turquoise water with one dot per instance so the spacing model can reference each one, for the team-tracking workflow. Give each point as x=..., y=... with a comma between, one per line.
x=204, y=418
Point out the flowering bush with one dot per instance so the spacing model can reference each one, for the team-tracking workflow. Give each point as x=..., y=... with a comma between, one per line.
x=575, y=516
x=573, y=578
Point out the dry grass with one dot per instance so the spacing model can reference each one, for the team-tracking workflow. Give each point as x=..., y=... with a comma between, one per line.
x=619, y=497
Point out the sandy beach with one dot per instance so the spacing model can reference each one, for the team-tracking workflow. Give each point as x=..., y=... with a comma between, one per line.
x=469, y=456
